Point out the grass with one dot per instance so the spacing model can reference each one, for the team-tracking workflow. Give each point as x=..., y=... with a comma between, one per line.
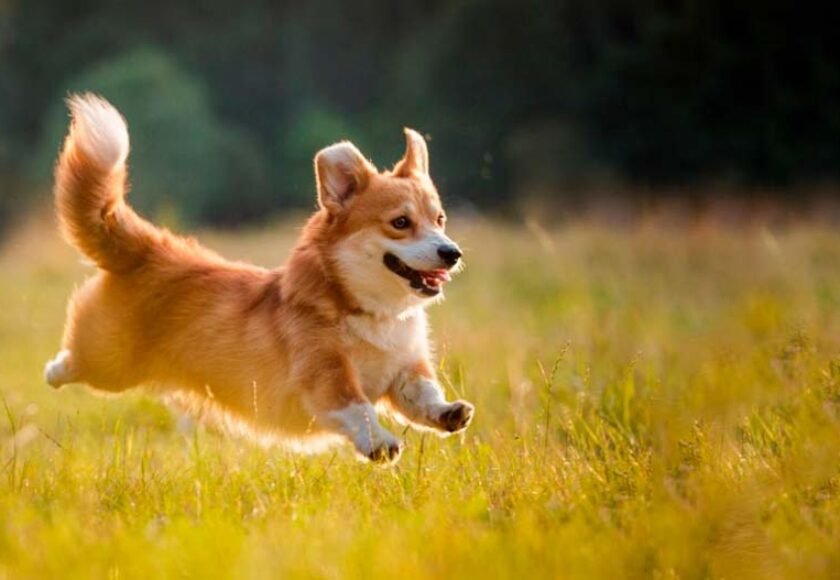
x=651, y=402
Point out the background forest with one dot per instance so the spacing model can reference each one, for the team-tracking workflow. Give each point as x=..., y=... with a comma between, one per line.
x=522, y=99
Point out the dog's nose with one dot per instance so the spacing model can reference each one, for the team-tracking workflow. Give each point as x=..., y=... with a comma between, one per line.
x=450, y=254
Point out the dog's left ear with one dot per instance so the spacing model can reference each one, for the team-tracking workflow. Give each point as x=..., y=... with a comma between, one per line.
x=341, y=171
x=416, y=157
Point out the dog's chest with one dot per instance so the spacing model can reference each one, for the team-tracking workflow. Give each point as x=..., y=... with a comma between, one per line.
x=381, y=349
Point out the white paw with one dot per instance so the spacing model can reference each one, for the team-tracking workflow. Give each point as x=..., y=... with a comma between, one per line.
x=57, y=371
x=384, y=448
x=372, y=441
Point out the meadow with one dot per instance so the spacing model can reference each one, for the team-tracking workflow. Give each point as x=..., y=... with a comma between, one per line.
x=653, y=401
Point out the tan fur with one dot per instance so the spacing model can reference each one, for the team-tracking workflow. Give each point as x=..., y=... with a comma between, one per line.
x=291, y=352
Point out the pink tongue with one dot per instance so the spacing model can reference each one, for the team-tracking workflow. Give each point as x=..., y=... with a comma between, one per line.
x=435, y=278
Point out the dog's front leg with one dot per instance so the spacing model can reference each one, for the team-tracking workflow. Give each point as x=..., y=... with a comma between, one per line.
x=338, y=404
x=418, y=397
x=357, y=421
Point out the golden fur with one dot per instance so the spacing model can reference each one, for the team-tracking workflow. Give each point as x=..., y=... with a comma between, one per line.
x=298, y=352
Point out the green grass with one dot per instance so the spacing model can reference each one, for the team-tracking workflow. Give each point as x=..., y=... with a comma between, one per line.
x=650, y=403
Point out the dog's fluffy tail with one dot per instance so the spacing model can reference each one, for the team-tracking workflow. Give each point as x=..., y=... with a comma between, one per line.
x=90, y=184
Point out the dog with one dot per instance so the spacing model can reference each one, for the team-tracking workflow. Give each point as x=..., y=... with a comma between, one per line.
x=299, y=354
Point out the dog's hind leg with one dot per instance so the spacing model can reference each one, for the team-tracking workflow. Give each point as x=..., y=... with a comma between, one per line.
x=59, y=371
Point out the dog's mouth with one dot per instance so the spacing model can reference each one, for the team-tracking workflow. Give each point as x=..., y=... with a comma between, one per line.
x=427, y=282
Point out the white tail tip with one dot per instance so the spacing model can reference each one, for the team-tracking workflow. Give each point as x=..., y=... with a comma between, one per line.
x=99, y=130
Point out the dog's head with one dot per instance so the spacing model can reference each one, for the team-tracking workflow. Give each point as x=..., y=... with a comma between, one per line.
x=387, y=229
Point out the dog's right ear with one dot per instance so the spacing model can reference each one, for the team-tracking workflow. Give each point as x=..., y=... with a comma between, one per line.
x=341, y=171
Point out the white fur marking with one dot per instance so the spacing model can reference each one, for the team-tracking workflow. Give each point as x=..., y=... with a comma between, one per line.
x=421, y=400
x=57, y=371
x=426, y=394
x=359, y=260
x=99, y=130
x=359, y=423
x=422, y=254
x=404, y=335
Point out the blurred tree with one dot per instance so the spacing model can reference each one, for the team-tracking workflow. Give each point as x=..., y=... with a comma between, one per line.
x=310, y=130
x=183, y=158
x=646, y=91
x=692, y=89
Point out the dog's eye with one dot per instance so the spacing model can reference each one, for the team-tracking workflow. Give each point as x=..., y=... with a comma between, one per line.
x=441, y=220
x=401, y=223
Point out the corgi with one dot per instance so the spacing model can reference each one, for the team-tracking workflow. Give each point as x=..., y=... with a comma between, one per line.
x=302, y=354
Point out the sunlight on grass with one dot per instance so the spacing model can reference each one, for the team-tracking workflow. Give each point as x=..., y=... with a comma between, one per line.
x=649, y=402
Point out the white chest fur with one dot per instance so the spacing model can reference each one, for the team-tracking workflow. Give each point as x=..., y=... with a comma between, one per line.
x=380, y=348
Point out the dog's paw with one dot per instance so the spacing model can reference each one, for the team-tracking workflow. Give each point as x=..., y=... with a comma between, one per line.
x=456, y=416
x=372, y=442
x=385, y=454
x=58, y=372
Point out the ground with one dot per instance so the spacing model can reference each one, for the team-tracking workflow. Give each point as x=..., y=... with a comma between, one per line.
x=653, y=400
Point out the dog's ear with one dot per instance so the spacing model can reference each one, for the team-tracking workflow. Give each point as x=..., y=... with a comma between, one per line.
x=340, y=171
x=416, y=157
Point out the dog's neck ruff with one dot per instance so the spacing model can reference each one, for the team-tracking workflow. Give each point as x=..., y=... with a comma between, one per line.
x=397, y=334
x=385, y=316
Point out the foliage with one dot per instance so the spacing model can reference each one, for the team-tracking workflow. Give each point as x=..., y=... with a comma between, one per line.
x=650, y=403
x=309, y=131
x=655, y=93
x=183, y=157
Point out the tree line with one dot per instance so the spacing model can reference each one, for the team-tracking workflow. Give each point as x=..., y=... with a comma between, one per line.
x=227, y=102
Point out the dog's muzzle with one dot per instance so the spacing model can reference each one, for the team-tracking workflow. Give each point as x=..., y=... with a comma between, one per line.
x=427, y=282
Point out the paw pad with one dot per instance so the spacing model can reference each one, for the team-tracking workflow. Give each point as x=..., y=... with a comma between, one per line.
x=457, y=416
x=385, y=453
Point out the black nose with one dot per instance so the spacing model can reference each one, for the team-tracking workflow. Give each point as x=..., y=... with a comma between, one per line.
x=450, y=254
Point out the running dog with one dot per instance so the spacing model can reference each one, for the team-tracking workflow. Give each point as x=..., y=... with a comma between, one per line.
x=300, y=353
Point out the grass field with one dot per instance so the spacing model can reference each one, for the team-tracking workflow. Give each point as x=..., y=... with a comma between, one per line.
x=651, y=402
